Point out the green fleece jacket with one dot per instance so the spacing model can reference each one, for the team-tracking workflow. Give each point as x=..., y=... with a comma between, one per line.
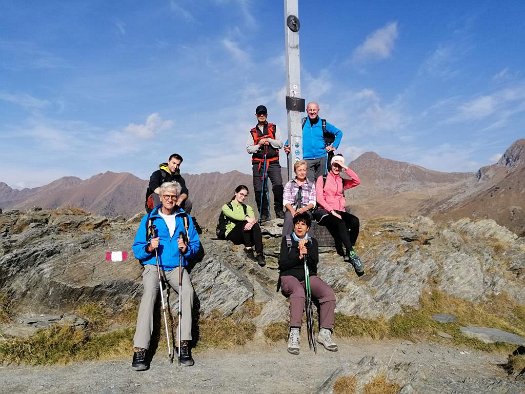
x=236, y=214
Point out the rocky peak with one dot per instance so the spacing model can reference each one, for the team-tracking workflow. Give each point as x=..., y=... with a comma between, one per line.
x=514, y=156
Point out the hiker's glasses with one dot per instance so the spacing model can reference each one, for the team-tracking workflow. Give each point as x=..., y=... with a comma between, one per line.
x=243, y=194
x=169, y=196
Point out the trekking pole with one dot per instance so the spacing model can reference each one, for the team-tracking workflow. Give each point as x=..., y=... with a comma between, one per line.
x=181, y=236
x=152, y=234
x=261, y=208
x=309, y=312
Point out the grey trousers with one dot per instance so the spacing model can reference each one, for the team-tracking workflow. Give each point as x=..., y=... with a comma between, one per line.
x=316, y=168
x=150, y=280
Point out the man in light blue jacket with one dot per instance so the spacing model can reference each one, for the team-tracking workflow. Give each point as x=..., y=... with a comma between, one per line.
x=319, y=142
x=167, y=233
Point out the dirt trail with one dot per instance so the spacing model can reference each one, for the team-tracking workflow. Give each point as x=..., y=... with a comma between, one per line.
x=428, y=368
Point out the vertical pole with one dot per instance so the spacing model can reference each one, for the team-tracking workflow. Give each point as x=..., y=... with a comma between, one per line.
x=295, y=105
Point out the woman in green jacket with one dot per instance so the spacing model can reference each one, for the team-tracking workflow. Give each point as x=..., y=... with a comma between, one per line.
x=242, y=227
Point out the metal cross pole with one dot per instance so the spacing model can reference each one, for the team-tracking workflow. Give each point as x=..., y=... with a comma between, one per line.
x=295, y=105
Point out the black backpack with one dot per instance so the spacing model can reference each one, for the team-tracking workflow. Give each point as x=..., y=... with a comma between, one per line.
x=149, y=203
x=328, y=137
x=220, y=230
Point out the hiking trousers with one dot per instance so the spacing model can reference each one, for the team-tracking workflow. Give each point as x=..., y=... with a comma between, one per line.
x=292, y=288
x=248, y=238
x=345, y=230
x=150, y=280
x=273, y=173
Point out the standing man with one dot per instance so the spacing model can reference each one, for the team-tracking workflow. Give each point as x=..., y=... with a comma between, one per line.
x=166, y=237
x=264, y=147
x=167, y=172
x=320, y=140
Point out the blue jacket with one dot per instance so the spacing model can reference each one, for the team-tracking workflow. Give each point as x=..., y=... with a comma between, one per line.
x=313, y=142
x=168, y=249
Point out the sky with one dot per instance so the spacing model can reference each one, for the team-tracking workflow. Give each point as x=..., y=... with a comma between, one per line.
x=89, y=86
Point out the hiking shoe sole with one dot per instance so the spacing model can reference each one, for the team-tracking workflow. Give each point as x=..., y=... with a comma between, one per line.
x=330, y=348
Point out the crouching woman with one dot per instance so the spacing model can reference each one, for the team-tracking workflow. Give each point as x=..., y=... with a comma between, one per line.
x=296, y=249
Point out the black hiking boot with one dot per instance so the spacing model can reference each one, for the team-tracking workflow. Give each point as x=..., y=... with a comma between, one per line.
x=185, y=354
x=356, y=263
x=260, y=260
x=264, y=218
x=249, y=253
x=279, y=214
x=139, y=362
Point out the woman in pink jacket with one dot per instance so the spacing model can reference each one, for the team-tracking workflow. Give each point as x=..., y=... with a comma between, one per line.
x=331, y=213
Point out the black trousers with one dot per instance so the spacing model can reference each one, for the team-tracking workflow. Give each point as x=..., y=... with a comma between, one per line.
x=248, y=238
x=345, y=230
x=273, y=173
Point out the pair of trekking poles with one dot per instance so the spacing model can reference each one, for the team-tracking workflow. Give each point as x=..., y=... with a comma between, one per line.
x=308, y=307
x=152, y=233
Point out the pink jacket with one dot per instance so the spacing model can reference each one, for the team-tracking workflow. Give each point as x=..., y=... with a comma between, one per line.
x=332, y=196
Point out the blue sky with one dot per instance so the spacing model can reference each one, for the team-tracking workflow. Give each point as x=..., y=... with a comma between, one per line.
x=91, y=86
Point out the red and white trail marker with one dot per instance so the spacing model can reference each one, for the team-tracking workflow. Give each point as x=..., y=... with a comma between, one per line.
x=120, y=255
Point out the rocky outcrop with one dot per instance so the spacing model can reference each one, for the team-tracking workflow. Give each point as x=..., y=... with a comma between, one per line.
x=52, y=261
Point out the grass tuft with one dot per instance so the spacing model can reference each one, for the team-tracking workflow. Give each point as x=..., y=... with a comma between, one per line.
x=276, y=331
x=345, y=385
x=225, y=332
x=349, y=326
x=380, y=385
x=5, y=308
x=62, y=344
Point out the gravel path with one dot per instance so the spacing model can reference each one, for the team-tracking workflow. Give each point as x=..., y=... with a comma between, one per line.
x=427, y=368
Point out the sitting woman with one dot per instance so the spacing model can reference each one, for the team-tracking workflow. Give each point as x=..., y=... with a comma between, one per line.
x=242, y=227
x=343, y=226
x=298, y=197
x=295, y=249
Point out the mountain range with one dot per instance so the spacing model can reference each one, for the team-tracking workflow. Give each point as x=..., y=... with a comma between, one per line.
x=388, y=188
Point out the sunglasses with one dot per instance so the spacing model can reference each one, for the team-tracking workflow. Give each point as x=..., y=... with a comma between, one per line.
x=262, y=114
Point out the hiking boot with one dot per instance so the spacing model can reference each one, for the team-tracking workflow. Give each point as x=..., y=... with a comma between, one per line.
x=260, y=260
x=325, y=339
x=293, y=341
x=339, y=249
x=139, y=362
x=185, y=354
x=249, y=253
x=264, y=218
x=359, y=268
x=279, y=214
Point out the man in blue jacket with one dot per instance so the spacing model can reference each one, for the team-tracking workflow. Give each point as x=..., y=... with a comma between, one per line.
x=319, y=143
x=166, y=233
x=316, y=146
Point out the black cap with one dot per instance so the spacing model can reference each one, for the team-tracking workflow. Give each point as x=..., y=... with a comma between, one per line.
x=261, y=109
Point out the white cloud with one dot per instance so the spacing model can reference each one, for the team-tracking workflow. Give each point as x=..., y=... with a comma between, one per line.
x=153, y=126
x=500, y=105
x=439, y=63
x=378, y=45
x=478, y=108
x=495, y=157
x=121, y=27
x=24, y=100
x=235, y=51
x=181, y=11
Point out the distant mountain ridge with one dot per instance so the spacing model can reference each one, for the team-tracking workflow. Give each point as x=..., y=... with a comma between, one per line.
x=388, y=188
